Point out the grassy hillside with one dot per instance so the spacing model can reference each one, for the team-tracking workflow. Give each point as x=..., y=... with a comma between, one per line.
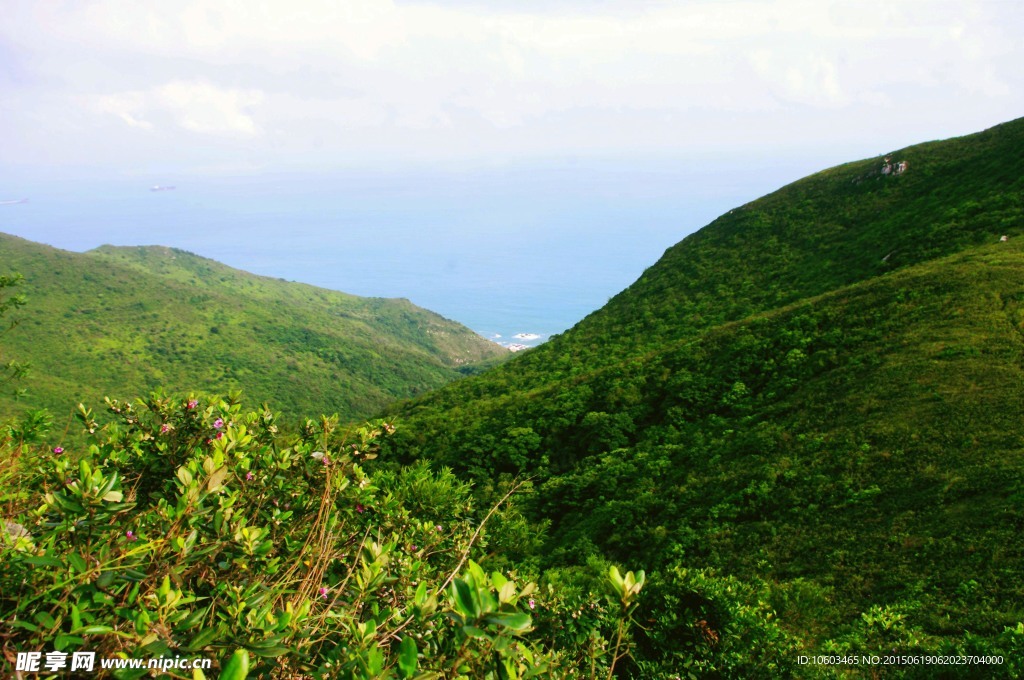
x=126, y=320
x=818, y=391
x=835, y=228
x=831, y=229
x=866, y=442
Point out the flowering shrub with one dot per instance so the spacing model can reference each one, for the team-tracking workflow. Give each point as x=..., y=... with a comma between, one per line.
x=192, y=527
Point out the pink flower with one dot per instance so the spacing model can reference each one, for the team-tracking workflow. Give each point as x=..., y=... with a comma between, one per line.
x=531, y=603
x=165, y=428
x=323, y=592
x=192, y=403
x=219, y=423
x=438, y=527
x=130, y=535
x=57, y=449
x=249, y=476
x=360, y=508
x=220, y=435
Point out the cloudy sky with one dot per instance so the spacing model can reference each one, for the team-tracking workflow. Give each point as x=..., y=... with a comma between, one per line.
x=236, y=85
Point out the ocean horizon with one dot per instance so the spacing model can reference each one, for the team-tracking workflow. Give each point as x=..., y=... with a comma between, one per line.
x=503, y=250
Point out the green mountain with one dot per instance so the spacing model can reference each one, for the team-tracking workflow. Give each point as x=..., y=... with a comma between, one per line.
x=819, y=391
x=123, y=321
x=831, y=229
x=803, y=423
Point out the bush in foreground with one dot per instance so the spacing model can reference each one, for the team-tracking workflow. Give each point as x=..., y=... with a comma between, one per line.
x=190, y=527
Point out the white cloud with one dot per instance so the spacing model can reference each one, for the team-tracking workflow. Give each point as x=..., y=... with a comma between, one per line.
x=372, y=77
x=201, y=107
x=197, y=106
x=806, y=79
x=128, y=106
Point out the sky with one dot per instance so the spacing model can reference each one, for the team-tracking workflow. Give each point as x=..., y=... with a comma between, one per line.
x=228, y=86
x=509, y=164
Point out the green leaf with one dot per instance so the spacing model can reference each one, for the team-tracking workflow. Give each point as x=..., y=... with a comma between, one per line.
x=498, y=580
x=84, y=471
x=64, y=642
x=93, y=630
x=517, y=621
x=463, y=596
x=44, y=618
x=283, y=620
x=157, y=648
x=108, y=485
x=193, y=619
x=203, y=638
x=78, y=562
x=43, y=561
x=421, y=594
x=142, y=620
x=474, y=632
x=67, y=504
x=104, y=580
x=616, y=580
x=507, y=592
x=407, y=656
x=476, y=574
x=270, y=651
x=134, y=575
x=237, y=667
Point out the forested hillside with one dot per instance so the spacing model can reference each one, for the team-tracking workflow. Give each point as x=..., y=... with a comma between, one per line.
x=129, y=320
x=834, y=228
x=818, y=391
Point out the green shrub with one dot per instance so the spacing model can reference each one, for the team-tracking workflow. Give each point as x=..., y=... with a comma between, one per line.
x=192, y=527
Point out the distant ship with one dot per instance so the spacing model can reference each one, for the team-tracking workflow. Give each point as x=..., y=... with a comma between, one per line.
x=157, y=187
x=17, y=202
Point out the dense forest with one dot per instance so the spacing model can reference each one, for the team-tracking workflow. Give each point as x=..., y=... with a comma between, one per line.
x=816, y=394
x=120, y=320
x=795, y=437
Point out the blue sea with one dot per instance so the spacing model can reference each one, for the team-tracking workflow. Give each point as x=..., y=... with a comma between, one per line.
x=518, y=249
